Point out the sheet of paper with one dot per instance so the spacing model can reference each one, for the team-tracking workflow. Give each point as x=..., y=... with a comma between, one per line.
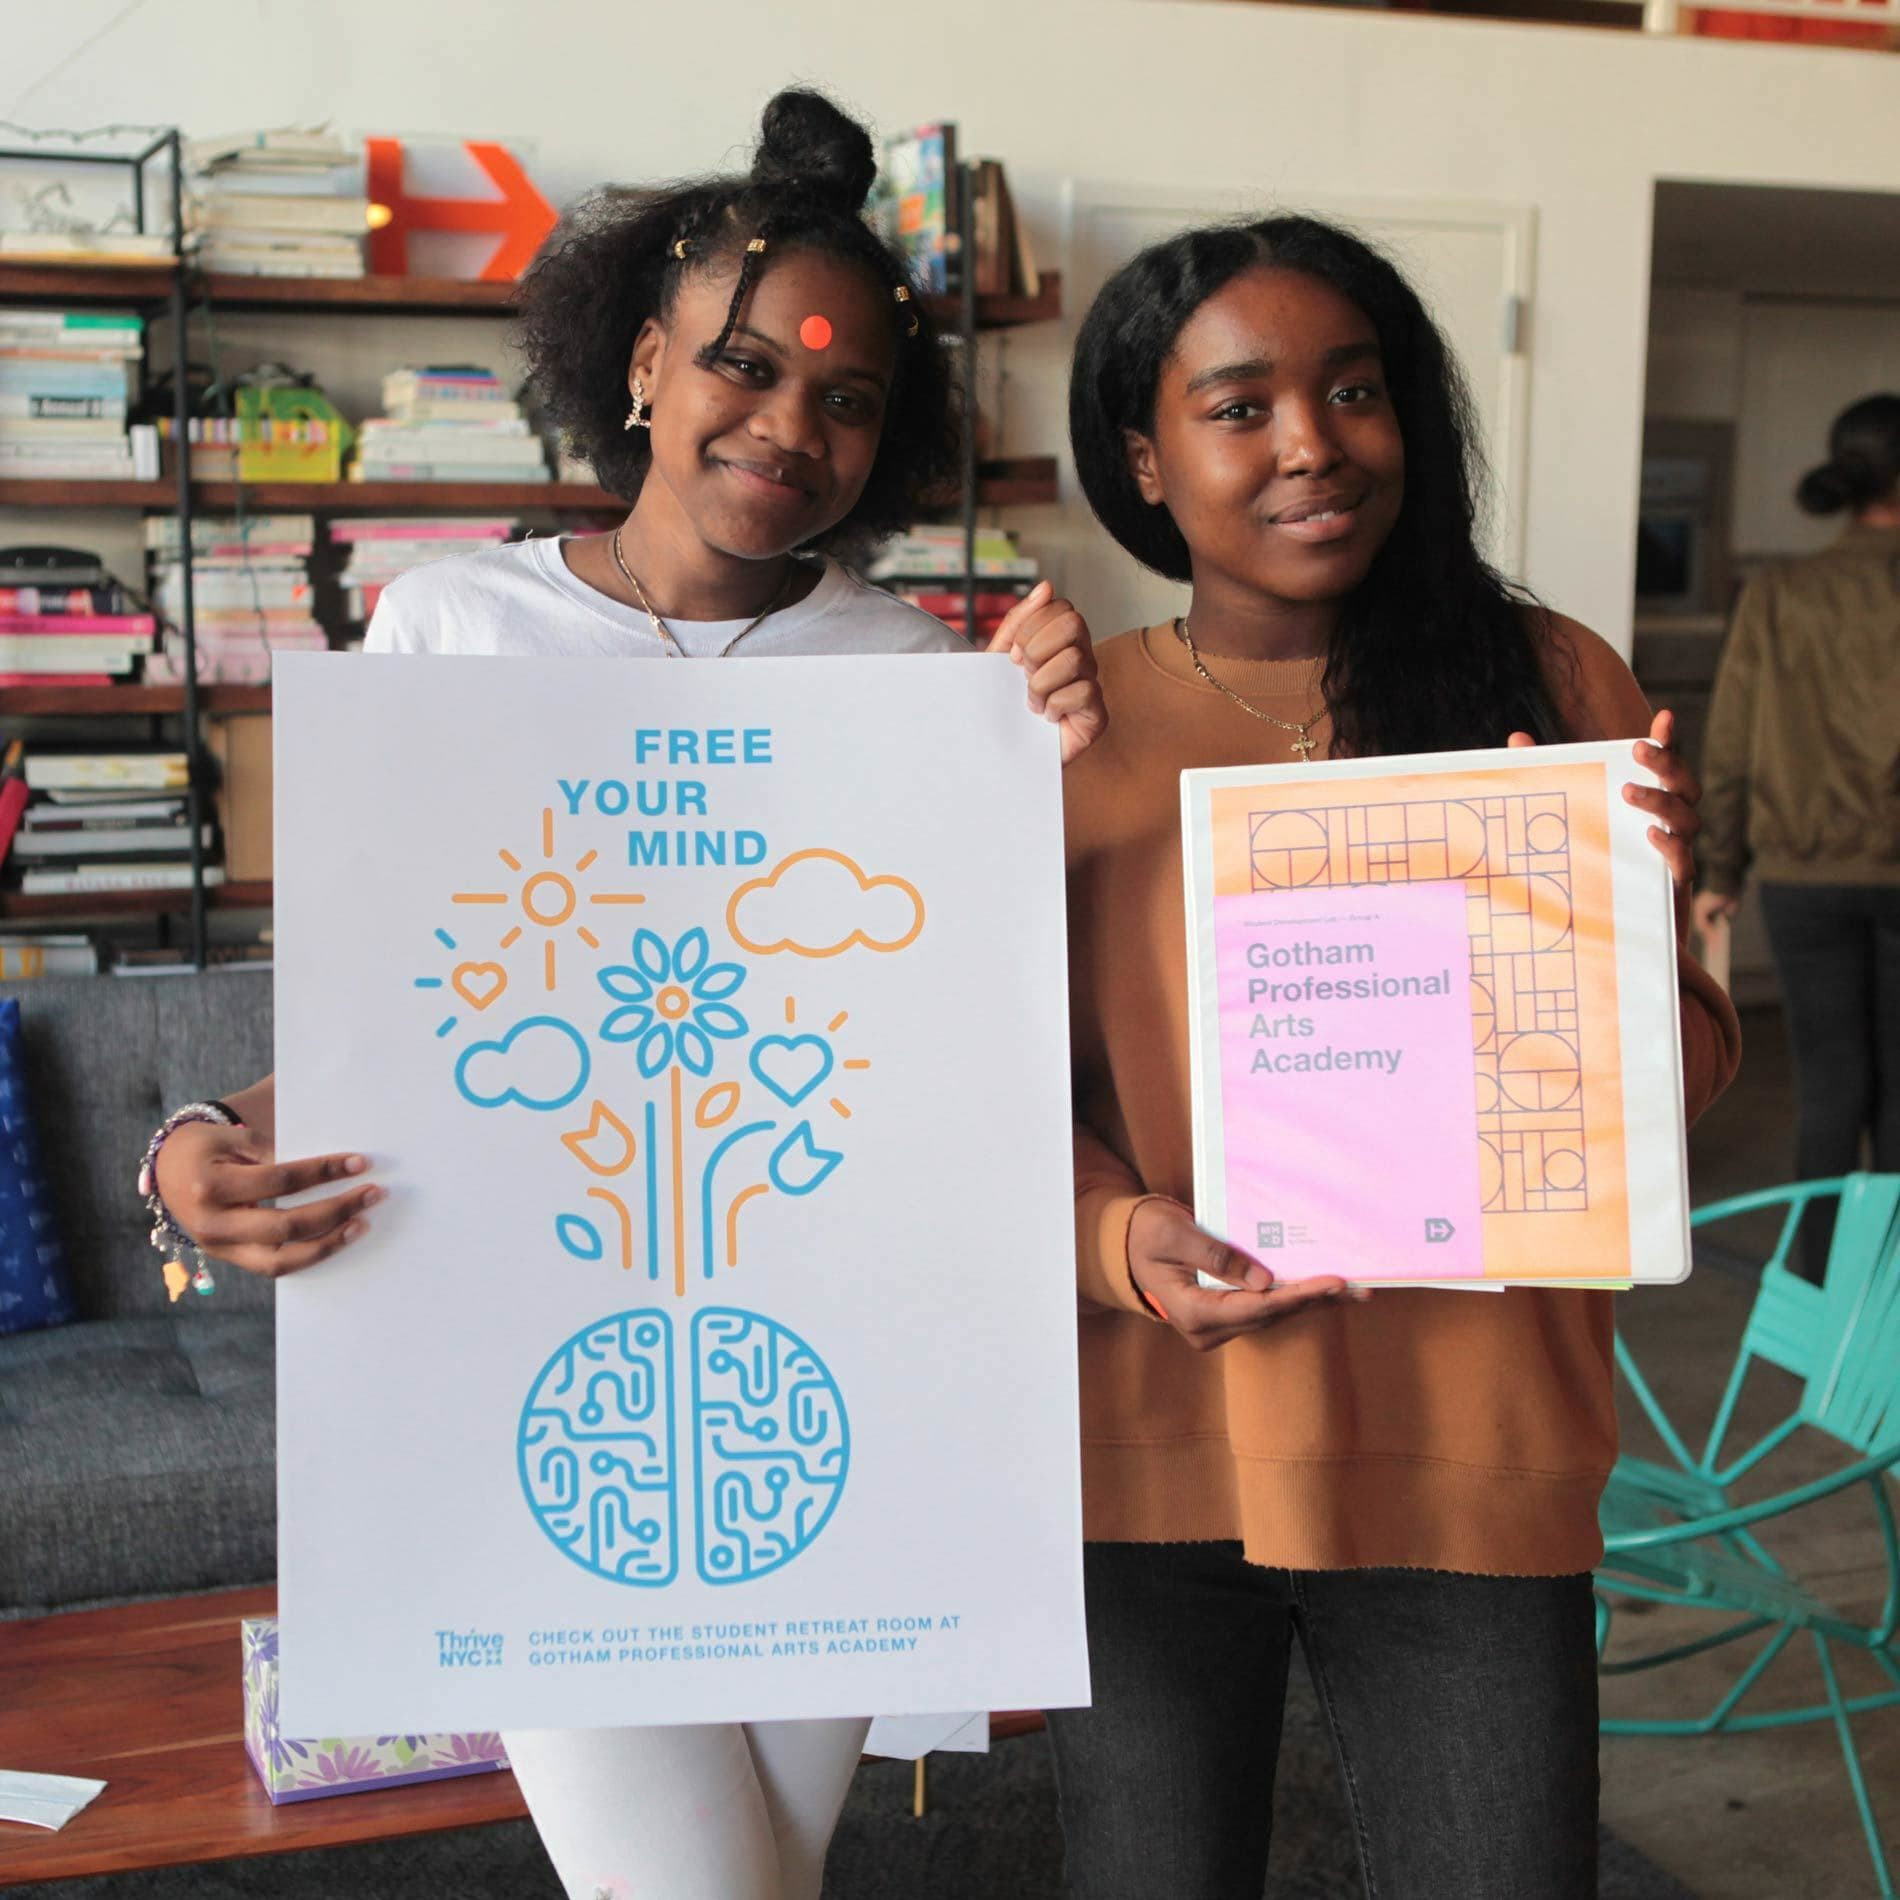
x=714, y=1356
x=47, y=1801
x=1436, y=1029
x=908, y=1737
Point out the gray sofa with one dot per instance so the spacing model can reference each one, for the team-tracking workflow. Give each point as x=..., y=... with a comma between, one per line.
x=138, y=1444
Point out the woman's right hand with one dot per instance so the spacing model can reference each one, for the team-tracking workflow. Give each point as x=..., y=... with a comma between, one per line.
x=1167, y=1253
x=213, y=1181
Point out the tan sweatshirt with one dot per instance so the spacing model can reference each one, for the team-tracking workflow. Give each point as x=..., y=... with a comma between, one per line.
x=1462, y=1431
x=1801, y=765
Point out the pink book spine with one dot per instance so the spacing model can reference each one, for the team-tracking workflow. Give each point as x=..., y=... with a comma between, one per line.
x=400, y=531
x=77, y=623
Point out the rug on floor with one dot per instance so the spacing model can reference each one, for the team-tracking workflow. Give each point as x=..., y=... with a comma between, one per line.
x=990, y=1834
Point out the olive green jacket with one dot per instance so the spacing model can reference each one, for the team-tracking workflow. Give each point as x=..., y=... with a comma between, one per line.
x=1801, y=765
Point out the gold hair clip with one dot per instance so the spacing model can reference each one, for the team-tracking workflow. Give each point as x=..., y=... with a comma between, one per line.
x=901, y=293
x=680, y=248
x=756, y=246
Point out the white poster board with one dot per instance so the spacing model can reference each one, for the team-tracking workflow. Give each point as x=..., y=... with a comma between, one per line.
x=714, y=1355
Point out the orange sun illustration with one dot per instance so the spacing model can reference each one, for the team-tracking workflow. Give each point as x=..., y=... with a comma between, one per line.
x=548, y=898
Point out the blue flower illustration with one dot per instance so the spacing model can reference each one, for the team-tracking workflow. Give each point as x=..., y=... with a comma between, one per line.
x=672, y=1002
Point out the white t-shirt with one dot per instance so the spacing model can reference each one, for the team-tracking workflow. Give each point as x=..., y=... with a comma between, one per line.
x=523, y=599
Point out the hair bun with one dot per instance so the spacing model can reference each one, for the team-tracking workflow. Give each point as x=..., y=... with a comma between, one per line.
x=1825, y=490
x=805, y=141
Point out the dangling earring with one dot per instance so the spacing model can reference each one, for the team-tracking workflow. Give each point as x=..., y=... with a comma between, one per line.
x=638, y=416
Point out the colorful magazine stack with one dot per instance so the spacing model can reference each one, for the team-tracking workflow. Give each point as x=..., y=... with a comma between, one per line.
x=278, y=204
x=72, y=625
x=383, y=546
x=450, y=424
x=64, y=380
x=106, y=822
x=251, y=594
x=925, y=566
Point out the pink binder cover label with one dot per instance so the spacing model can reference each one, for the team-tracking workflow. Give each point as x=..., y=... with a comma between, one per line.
x=1348, y=1088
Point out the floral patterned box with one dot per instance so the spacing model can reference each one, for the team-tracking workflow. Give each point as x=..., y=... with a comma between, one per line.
x=301, y=1771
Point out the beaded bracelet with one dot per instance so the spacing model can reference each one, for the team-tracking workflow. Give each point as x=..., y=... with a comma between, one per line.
x=166, y=1235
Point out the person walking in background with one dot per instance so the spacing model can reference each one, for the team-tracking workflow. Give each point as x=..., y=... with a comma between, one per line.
x=1801, y=789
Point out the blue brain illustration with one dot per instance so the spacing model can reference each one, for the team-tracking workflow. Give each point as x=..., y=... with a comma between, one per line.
x=596, y=1450
x=770, y=1441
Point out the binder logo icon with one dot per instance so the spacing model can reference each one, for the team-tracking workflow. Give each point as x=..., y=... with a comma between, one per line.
x=1269, y=1233
x=1438, y=1231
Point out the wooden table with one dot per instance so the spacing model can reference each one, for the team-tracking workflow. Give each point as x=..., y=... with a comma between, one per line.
x=150, y=1700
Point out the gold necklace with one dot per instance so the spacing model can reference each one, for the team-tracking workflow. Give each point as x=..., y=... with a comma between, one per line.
x=664, y=633
x=1302, y=742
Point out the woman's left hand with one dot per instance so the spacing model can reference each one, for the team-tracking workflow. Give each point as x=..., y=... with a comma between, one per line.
x=1672, y=803
x=1049, y=640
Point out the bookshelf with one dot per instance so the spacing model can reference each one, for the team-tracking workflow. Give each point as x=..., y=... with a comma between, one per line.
x=1009, y=482
x=1016, y=481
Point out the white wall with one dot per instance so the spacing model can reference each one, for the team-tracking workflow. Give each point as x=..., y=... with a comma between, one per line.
x=1170, y=92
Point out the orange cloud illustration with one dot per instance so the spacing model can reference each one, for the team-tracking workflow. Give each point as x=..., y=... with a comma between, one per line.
x=818, y=903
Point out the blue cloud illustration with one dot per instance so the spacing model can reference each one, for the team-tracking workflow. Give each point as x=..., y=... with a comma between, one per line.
x=541, y=1063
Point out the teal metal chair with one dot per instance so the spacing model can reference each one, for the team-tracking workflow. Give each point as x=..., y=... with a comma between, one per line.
x=1674, y=1533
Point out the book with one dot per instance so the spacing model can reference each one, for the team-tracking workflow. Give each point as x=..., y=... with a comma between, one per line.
x=21, y=405
x=24, y=957
x=407, y=527
x=101, y=845
x=168, y=960
x=86, y=247
x=100, y=771
x=62, y=602
x=24, y=658
x=231, y=534
x=232, y=587
x=57, y=679
x=108, y=809
x=61, y=625
x=1434, y=1024
x=990, y=604
x=919, y=190
x=242, y=213
x=85, y=878
x=13, y=793
x=503, y=472
x=71, y=428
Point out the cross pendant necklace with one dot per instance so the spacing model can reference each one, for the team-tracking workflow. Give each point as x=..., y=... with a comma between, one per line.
x=1302, y=733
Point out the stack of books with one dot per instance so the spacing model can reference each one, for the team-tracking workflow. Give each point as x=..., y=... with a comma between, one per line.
x=277, y=204
x=251, y=593
x=106, y=822
x=72, y=625
x=925, y=566
x=383, y=546
x=27, y=954
x=449, y=424
x=64, y=381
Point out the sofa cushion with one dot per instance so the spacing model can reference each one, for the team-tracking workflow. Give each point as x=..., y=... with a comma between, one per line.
x=108, y=1058
x=33, y=1289
x=140, y=1457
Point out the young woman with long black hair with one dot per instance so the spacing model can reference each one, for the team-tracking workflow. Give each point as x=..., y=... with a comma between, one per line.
x=1408, y=1483
x=745, y=361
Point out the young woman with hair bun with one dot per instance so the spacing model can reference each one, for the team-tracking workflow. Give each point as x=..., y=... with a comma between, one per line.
x=748, y=365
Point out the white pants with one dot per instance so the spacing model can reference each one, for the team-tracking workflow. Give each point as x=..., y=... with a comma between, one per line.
x=727, y=1811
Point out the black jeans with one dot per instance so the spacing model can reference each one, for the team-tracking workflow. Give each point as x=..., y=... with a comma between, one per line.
x=1837, y=950
x=1463, y=1713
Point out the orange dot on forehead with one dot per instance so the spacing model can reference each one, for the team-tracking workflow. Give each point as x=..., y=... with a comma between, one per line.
x=815, y=333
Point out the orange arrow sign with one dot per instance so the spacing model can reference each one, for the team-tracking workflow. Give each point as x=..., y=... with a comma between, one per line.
x=520, y=217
